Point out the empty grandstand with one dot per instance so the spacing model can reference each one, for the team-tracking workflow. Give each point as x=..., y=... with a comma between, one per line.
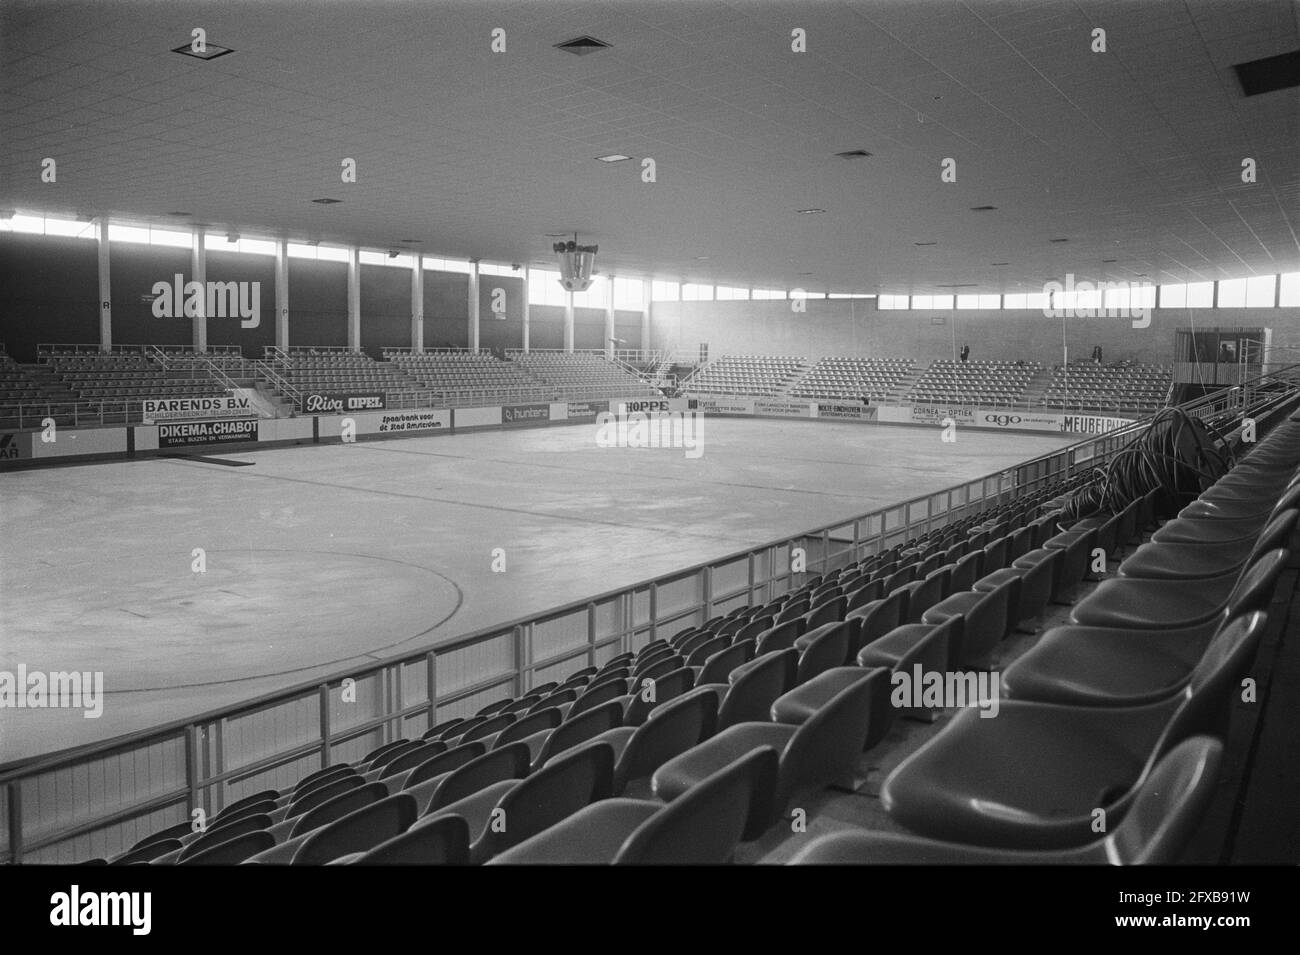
x=583, y=374
x=996, y=383
x=469, y=377
x=338, y=370
x=746, y=375
x=1135, y=389
x=871, y=379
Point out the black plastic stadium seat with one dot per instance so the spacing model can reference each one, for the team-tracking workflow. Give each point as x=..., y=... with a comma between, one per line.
x=358, y=831
x=1032, y=777
x=700, y=827
x=823, y=749
x=1093, y=666
x=502, y=815
x=443, y=843
x=755, y=685
x=232, y=851
x=1166, y=810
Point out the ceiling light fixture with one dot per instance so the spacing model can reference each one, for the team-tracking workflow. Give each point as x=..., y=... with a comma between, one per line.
x=582, y=45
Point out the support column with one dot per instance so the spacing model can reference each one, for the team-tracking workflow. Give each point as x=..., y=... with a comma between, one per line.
x=473, y=306
x=417, y=305
x=105, y=290
x=609, y=321
x=282, y=294
x=645, y=314
x=527, y=312
x=199, y=274
x=354, y=299
x=568, y=322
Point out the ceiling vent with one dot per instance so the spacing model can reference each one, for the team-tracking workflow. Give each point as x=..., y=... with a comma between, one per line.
x=582, y=45
x=208, y=52
x=1281, y=72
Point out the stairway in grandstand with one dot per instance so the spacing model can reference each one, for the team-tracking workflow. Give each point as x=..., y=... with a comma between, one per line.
x=1037, y=387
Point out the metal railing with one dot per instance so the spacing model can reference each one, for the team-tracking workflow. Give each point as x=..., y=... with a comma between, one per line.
x=264, y=370
x=164, y=773
x=57, y=350
x=218, y=373
x=80, y=413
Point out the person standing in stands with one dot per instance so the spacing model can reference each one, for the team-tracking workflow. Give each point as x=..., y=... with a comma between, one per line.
x=1096, y=354
x=965, y=353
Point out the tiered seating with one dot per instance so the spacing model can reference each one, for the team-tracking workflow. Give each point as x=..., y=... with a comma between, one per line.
x=853, y=379
x=746, y=375
x=468, y=377
x=16, y=386
x=1090, y=387
x=323, y=371
x=692, y=746
x=1149, y=660
x=976, y=382
x=128, y=377
x=233, y=366
x=583, y=375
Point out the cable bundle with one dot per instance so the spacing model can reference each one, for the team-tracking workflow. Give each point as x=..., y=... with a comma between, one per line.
x=1179, y=455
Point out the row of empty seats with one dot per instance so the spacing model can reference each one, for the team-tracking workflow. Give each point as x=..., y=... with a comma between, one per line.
x=976, y=382
x=584, y=374
x=80, y=388
x=310, y=371
x=1123, y=710
x=127, y=376
x=853, y=379
x=472, y=376
x=1087, y=386
x=746, y=375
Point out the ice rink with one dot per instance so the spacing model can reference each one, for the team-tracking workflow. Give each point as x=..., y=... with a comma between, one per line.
x=321, y=557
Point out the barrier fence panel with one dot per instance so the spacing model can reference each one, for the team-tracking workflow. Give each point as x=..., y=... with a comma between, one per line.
x=96, y=801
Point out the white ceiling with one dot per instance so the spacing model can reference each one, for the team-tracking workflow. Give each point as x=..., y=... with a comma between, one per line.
x=1133, y=155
